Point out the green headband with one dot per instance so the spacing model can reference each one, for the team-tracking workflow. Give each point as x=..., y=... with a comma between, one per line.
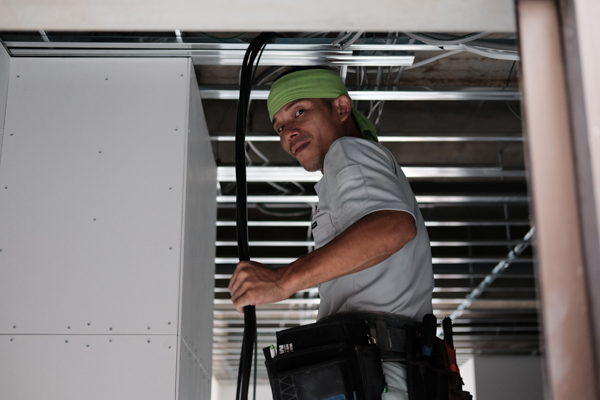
x=315, y=84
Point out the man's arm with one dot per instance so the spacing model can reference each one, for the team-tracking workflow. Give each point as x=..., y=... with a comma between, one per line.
x=367, y=242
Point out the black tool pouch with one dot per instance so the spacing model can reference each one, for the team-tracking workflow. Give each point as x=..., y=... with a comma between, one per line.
x=426, y=376
x=430, y=376
x=326, y=360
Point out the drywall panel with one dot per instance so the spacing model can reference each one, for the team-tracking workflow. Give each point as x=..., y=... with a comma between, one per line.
x=91, y=367
x=198, y=254
x=194, y=382
x=263, y=15
x=467, y=372
x=91, y=195
x=4, y=77
x=508, y=377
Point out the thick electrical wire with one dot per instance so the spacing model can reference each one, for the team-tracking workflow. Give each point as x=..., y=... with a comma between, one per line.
x=432, y=59
x=248, y=70
x=223, y=39
x=492, y=53
x=341, y=37
x=352, y=40
x=507, y=82
x=446, y=42
x=488, y=44
x=258, y=153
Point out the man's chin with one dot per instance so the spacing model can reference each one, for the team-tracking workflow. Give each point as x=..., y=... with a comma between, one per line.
x=313, y=165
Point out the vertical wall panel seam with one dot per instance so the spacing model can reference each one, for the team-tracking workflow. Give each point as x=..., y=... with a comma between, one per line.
x=5, y=95
x=184, y=188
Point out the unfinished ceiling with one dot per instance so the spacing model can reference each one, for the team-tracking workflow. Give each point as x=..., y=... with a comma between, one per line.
x=453, y=124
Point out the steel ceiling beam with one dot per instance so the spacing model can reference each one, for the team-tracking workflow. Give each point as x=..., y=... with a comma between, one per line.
x=288, y=224
x=383, y=138
x=421, y=199
x=386, y=94
x=435, y=260
x=439, y=276
x=434, y=243
x=230, y=57
x=299, y=174
x=189, y=45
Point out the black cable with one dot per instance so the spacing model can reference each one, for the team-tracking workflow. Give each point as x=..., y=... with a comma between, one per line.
x=507, y=82
x=254, y=49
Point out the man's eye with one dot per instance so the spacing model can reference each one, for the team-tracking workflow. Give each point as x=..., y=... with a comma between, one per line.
x=280, y=129
x=299, y=112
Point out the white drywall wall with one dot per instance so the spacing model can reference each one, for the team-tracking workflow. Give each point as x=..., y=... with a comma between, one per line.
x=107, y=229
x=516, y=377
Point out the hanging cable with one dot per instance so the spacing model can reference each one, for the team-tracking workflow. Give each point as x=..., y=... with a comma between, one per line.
x=247, y=73
x=432, y=59
x=351, y=41
x=442, y=42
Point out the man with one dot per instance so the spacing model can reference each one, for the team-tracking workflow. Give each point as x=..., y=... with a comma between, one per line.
x=372, y=251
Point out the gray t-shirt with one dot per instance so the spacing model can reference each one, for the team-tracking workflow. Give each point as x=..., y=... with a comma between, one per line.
x=361, y=177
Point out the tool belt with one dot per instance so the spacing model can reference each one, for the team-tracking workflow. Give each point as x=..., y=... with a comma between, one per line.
x=339, y=358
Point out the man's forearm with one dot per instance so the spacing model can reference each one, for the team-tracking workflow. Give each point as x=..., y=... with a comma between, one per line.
x=369, y=241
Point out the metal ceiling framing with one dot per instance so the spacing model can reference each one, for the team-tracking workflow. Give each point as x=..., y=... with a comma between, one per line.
x=472, y=231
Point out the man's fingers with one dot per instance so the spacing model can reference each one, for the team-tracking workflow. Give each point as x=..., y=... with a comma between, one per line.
x=238, y=303
x=242, y=300
x=238, y=276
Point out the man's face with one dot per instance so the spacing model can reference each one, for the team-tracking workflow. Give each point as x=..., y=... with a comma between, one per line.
x=306, y=130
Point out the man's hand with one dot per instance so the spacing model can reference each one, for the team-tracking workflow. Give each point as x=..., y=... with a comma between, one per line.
x=252, y=284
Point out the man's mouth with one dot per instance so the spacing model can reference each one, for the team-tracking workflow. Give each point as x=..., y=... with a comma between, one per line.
x=298, y=148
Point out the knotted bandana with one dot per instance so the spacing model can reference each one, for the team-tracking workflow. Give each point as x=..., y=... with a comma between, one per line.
x=315, y=84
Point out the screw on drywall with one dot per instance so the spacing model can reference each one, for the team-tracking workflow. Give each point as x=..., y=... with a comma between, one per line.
x=12, y=134
x=148, y=327
x=100, y=152
x=68, y=327
x=170, y=188
x=169, y=346
x=89, y=323
x=175, y=129
x=110, y=329
x=87, y=345
x=169, y=323
x=109, y=340
x=18, y=76
x=14, y=327
x=66, y=341
x=105, y=79
x=94, y=220
x=11, y=339
x=148, y=340
x=170, y=248
x=181, y=74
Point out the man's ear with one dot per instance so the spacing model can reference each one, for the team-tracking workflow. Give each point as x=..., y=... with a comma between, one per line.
x=343, y=106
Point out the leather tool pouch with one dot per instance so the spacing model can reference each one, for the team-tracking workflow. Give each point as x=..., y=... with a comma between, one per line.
x=328, y=360
x=431, y=377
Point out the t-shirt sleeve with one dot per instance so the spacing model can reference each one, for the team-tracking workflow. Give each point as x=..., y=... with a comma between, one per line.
x=365, y=178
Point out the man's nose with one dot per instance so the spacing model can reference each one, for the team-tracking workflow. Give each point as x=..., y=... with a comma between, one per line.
x=291, y=132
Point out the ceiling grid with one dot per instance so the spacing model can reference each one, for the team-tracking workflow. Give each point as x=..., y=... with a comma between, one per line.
x=446, y=111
